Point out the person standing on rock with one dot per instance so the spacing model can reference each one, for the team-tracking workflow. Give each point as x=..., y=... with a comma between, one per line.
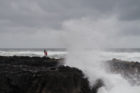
x=45, y=53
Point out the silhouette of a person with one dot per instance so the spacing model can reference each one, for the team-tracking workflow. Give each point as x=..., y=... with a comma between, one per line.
x=45, y=53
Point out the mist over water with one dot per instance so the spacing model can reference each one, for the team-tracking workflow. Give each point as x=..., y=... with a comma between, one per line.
x=84, y=39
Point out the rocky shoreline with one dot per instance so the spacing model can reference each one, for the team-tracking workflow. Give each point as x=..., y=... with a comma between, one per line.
x=45, y=75
x=40, y=75
x=130, y=70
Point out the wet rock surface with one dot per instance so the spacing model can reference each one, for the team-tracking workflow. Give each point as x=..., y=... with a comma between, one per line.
x=40, y=75
x=128, y=69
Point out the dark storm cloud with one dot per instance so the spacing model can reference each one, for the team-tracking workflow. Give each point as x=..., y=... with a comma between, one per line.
x=51, y=13
x=129, y=9
x=34, y=15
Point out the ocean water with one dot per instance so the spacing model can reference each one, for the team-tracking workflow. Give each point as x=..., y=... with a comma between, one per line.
x=39, y=52
x=128, y=54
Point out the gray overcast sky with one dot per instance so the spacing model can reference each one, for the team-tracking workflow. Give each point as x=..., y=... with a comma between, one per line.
x=43, y=23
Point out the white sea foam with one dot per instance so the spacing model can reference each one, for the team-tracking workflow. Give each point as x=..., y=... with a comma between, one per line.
x=83, y=34
x=135, y=56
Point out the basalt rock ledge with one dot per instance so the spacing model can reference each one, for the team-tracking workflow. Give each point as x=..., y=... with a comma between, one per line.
x=40, y=75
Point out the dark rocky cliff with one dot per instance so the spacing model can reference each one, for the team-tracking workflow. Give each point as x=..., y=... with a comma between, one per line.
x=128, y=69
x=40, y=75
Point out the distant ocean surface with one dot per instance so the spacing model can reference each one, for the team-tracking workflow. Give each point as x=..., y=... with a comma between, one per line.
x=39, y=52
x=129, y=54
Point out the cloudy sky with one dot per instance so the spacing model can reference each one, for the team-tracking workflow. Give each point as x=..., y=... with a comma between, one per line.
x=44, y=23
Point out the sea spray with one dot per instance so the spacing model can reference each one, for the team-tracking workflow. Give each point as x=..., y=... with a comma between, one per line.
x=84, y=39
